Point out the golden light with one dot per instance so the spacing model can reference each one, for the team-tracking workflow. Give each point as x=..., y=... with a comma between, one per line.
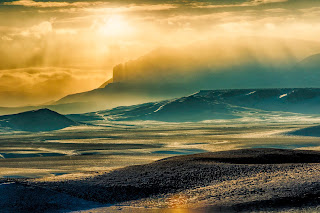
x=177, y=201
x=115, y=25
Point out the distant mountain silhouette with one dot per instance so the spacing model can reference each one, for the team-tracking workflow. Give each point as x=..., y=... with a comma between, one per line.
x=225, y=64
x=312, y=62
x=123, y=94
x=106, y=83
x=313, y=131
x=37, y=120
x=67, y=108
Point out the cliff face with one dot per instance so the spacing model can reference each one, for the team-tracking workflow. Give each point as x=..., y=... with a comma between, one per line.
x=213, y=63
x=120, y=73
x=110, y=81
x=174, y=72
x=144, y=70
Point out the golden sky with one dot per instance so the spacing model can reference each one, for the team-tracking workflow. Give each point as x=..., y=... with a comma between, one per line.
x=49, y=49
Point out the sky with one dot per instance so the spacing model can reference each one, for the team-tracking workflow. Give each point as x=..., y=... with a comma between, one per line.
x=49, y=49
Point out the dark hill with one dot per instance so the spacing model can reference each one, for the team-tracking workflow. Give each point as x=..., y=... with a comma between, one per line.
x=311, y=62
x=36, y=120
x=313, y=131
x=254, y=156
x=182, y=172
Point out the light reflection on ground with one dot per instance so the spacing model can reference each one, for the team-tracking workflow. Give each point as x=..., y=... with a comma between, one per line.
x=93, y=150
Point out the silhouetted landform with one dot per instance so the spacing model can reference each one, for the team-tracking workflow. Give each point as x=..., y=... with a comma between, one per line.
x=227, y=63
x=106, y=83
x=215, y=104
x=257, y=156
x=15, y=197
x=37, y=120
x=212, y=104
x=67, y=108
x=311, y=63
x=174, y=72
x=195, y=172
x=313, y=131
x=191, y=108
x=124, y=94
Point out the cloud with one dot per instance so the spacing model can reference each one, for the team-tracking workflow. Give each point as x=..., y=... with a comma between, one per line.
x=6, y=38
x=257, y=2
x=31, y=3
x=106, y=6
x=39, y=85
x=277, y=10
x=38, y=30
x=244, y=4
x=100, y=34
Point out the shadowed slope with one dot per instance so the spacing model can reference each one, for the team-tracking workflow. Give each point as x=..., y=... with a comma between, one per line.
x=20, y=198
x=256, y=156
x=215, y=104
x=180, y=173
x=37, y=120
x=313, y=131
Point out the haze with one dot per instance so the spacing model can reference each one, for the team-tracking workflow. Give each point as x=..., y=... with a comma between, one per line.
x=49, y=49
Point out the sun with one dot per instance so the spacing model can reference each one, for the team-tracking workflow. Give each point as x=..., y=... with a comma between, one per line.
x=115, y=25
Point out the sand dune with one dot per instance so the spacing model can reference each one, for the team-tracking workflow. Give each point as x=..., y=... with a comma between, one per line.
x=232, y=180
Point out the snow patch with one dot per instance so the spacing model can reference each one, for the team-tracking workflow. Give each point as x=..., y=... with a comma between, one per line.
x=6, y=183
x=250, y=93
x=284, y=95
x=164, y=105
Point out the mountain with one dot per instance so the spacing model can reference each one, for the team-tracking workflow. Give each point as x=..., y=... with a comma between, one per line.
x=37, y=120
x=215, y=104
x=296, y=100
x=191, y=108
x=313, y=131
x=123, y=94
x=311, y=62
x=247, y=62
x=224, y=64
x=106, y=83
x=67, y=108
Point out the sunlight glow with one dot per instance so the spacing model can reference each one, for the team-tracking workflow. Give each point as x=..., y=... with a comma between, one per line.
x=114, y=26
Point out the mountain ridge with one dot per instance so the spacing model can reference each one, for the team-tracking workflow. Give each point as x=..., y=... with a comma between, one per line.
x=216, y=104
x=270, y=63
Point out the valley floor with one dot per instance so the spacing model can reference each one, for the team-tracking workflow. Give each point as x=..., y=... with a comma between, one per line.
x=234, y=181
x=73, y=166
x=102, y=148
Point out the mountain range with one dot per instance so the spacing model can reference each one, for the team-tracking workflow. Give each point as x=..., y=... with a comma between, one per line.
x=172, y=72
x=215, y=104
x=313, y=131
x=200, y=106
